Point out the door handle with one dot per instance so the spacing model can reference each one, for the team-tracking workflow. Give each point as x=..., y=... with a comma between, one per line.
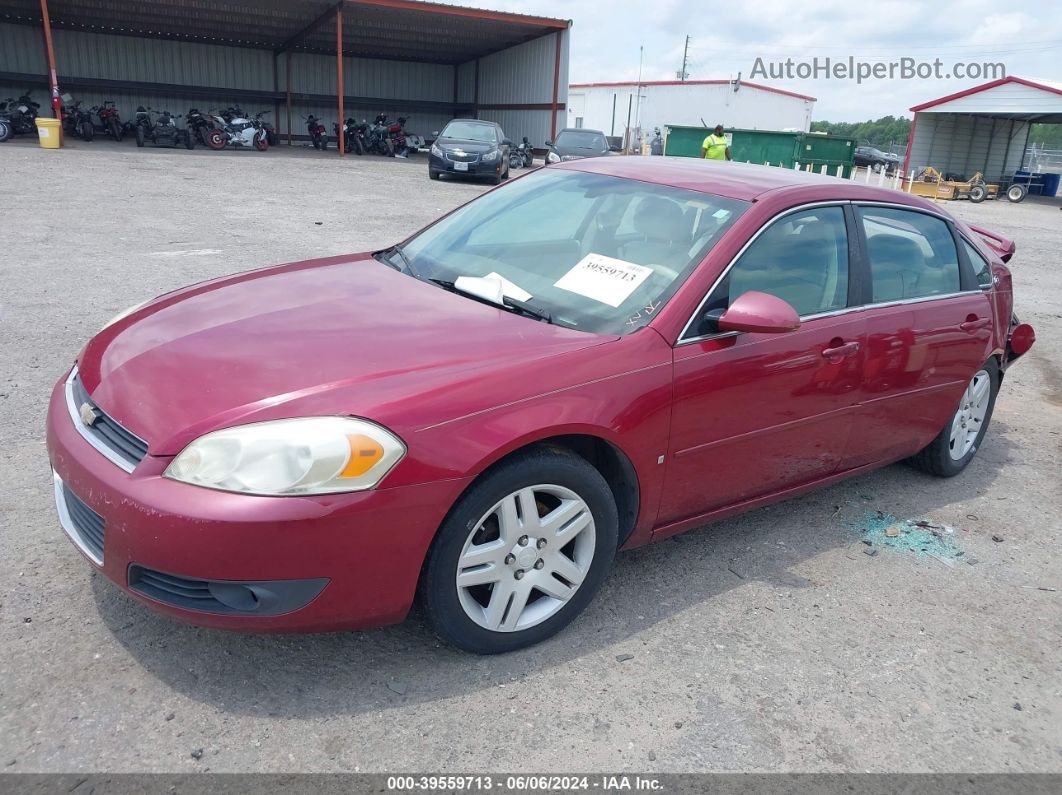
x=975, y=324
x=841, y=351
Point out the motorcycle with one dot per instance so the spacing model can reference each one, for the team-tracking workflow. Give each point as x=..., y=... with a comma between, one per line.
x=380, y=137
x=5, y=123
x=656, y=145
x=20, y=116
x=353, y=141
x=522, y=156
x=78, y=121
x=239, y=131
x=198, y=124
x=109, y=119
x=163, y=131
x=318, y=133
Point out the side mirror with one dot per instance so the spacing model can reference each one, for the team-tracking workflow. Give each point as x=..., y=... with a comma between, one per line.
x=614, y=149
x=507, y=142
x=760, y=313
x=433, y=135
x=549, y=143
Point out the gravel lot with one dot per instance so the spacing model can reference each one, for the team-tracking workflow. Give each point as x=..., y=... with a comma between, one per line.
x=769, y=642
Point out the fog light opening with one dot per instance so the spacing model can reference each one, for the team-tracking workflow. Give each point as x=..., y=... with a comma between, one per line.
x=235, y=596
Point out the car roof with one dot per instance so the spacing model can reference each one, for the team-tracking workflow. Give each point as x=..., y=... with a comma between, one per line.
x=742, y=181
x=484, y=122
x=580, y=129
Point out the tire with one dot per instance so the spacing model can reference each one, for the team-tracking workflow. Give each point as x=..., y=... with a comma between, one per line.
x=359, y=148
x=1016, y=193
x=959, y=440
x=5, y=131
x=261, y=141
x=479, y=617
x=189, y=141
x=88, y=132
x=433, y=174
x=506, y=174
x=978, y=194
x=140, y=136
x=216, y=139
x=115, y=128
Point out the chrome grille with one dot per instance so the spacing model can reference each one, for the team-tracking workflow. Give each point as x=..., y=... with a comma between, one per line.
x=466, y=157
x=121, y=446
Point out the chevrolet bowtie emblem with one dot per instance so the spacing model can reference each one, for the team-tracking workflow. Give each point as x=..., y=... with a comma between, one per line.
x=88, y=414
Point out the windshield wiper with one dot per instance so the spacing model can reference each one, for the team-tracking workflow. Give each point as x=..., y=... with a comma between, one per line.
x=512, y=304
x=407, y=266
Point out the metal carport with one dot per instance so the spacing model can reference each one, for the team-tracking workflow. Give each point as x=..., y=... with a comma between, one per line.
x=984, y=128
x=427, y=60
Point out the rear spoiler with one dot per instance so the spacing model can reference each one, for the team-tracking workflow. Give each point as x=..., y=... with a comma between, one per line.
x=1002, y=246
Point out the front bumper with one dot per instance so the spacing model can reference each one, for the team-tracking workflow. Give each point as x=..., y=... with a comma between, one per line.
x=276, y=564
x=477, y=169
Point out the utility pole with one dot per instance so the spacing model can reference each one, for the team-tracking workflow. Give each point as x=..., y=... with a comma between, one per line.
x=685, y=60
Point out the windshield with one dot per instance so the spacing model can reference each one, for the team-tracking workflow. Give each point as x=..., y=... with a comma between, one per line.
x=469, y=131
x=582, y=140
x=595, y=253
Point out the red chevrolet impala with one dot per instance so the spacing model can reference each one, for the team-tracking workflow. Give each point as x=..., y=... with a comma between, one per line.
x=598, y=355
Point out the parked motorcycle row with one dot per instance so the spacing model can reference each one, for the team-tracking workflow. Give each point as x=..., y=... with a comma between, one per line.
x=18, y=116
x=382, y=137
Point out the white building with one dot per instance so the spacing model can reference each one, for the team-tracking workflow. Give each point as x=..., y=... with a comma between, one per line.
x=608, y=106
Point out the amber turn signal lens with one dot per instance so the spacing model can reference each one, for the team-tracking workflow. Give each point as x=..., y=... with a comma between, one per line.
x=365, y=453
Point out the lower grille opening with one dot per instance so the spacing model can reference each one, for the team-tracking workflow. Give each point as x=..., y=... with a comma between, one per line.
x=226, y=597
x=85, y=527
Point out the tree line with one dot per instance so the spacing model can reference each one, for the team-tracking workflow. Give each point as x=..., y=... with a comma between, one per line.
x=890, y=133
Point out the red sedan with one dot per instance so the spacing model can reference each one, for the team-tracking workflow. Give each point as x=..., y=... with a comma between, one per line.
x=598, y=355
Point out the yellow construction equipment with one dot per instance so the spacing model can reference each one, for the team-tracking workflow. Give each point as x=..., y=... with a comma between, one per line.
x=932, y=184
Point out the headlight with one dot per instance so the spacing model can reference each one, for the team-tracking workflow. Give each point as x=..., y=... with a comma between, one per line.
x=124, y=314
x=436, y=151
x=553, y=157
x=491, y=156
x=312, y=455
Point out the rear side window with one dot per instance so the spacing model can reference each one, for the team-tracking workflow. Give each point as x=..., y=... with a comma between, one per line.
x=912, y=255
x=980, y=266
x=801, y=258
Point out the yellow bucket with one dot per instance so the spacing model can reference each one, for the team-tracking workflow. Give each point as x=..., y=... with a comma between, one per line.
x=48, y=131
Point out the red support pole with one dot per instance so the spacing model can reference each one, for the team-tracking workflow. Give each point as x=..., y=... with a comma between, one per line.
x=339, y=76
x=287, y=88
x=556, y=86
x=53, y=80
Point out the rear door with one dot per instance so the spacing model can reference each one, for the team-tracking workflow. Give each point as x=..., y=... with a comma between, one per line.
x=754, y=414
x=929, y=329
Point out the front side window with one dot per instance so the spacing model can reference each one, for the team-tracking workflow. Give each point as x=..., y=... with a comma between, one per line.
x=911, y=254
x=801, y=258
x=598, y=253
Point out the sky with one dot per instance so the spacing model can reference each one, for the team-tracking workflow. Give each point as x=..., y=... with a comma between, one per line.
x=727, y=38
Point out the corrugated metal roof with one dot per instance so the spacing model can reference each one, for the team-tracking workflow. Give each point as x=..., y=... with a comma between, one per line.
x=390, y=29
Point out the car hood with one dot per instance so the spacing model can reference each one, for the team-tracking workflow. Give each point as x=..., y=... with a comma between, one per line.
x=338, y=336
x=475, y=147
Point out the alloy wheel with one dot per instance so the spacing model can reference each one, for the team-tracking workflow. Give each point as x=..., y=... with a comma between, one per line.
x=526, y=558
x=969, y=419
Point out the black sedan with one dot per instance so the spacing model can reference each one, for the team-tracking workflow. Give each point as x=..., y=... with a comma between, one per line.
x=575, y=143
x=470, y=148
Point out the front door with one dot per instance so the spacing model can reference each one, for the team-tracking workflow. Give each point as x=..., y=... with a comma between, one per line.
x=757, y=413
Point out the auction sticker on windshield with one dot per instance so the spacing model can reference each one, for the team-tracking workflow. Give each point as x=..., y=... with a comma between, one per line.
x=605, y=279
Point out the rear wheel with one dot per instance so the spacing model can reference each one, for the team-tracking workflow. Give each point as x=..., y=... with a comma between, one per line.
x=1016, y=193
x=215, y=139
x=521, y=554
x=189, y=140
x=88, y=132
x=958, y=442
x=140, y=136
x=115, y=128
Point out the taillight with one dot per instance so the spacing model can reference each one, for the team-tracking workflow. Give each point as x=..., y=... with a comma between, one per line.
x=1022, y=337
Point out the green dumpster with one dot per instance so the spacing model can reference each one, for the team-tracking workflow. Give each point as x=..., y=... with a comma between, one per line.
x=784, y=149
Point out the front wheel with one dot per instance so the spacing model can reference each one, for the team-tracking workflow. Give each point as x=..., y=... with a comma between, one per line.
x=189, y=140
x=261, y=142
x=433, y=174
x=115, y=128
x=958, y=442
x=87, y=131
x=521, y=554
x=5, y=131
x=216, y=139
x=140, y=137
